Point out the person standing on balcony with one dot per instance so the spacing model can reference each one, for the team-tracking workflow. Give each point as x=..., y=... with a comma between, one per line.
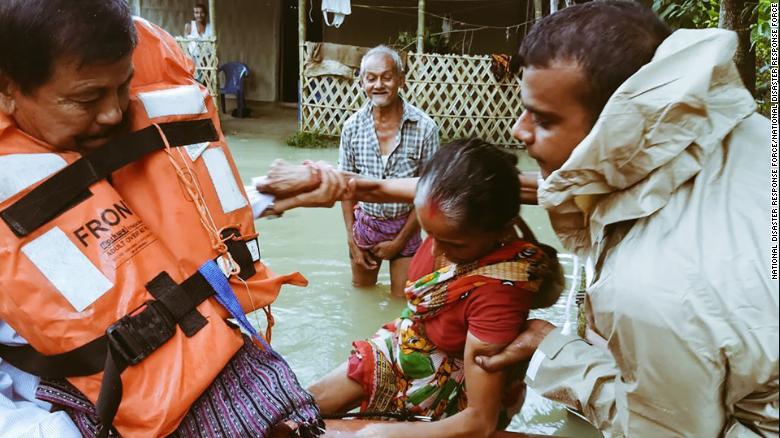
x=387, y=138
x=199, y=27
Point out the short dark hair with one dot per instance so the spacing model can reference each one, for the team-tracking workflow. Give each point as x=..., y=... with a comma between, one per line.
x=34, y=34
x=474, y=183
x=201, y=6
x=610, y=40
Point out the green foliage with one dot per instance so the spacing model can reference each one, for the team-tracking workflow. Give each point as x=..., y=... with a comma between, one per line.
x=759, y=32
x=700, y=14
x=312, y=140
x=759, y=37
x=693, y=14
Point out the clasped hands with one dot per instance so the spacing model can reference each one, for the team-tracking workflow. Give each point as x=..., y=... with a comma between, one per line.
x=310, y=184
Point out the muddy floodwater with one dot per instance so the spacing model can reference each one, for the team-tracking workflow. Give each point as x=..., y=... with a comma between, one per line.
x=316, y=325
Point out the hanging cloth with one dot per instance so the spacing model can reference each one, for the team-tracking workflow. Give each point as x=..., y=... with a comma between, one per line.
x=446, y=28
x=339, y=9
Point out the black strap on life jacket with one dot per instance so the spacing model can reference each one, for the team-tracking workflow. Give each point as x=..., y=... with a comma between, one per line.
x=70, y=185
x=126, y=342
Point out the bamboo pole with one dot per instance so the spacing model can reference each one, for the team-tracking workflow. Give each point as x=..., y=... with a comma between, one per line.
x=213, y=16
x=301, y=45
x=420, y=25
x=301, y=29
x=135, y=7
x=213, y=24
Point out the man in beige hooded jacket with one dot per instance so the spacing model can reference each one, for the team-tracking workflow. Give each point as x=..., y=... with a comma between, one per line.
x=659, y=177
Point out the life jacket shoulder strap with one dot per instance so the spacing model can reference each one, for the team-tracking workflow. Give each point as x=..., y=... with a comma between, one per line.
x=70, y=185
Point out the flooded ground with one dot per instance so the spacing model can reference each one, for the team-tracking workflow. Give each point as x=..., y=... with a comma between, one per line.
x=316, y=325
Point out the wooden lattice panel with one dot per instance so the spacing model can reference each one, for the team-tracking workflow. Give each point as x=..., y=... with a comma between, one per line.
x=458, y=91
x=329, y=102
x=203, y=52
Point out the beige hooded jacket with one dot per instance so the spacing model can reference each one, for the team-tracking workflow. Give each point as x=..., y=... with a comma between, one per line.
x=674, y=183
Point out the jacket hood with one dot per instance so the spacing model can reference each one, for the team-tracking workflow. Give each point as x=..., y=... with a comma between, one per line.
x=654, y=134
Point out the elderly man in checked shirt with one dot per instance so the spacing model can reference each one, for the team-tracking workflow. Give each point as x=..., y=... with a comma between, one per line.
x=386, y=138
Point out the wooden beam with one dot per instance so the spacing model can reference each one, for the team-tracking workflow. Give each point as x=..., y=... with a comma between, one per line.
x=420, y=25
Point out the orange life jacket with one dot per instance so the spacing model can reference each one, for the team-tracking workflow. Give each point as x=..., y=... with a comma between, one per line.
x=112, y=265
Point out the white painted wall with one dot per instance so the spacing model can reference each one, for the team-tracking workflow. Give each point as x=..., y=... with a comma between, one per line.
x=248, y=32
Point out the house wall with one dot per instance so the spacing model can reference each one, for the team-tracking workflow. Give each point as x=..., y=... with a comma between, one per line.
x=248, y=32
x=370, y=27
x=250, y=29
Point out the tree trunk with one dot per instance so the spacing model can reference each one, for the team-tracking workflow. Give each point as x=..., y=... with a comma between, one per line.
x=737, y=15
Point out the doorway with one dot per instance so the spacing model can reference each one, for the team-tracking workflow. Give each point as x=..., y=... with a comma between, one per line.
x=288, y=74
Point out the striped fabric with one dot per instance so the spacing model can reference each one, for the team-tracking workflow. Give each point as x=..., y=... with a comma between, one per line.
x=368, y=231
x=254, y=392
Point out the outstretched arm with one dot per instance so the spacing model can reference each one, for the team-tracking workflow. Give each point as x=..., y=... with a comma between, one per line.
x=330, y=190
x=382, y=190
x=286, y=179
x=404, y=189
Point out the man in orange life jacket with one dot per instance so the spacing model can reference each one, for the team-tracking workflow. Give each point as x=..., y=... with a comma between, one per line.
x=66, y=73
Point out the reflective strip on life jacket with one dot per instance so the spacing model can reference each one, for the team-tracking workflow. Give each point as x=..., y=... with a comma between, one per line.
x=175, y=101
x=231, y=197
x=67, y=268
x=23, y=170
